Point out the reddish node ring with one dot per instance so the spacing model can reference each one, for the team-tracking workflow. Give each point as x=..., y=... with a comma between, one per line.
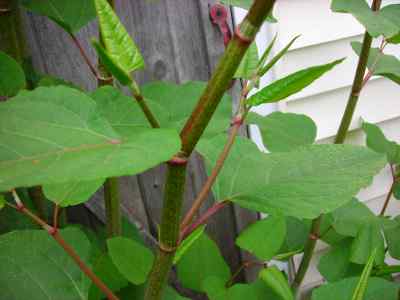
x=52, y=230
x=244, y=39
x=178, y=160
x=20, y=207
x=237, y=121
x=314, y=237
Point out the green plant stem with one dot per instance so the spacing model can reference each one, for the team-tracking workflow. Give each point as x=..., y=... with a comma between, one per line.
x=308, y=253
x=112, y=202
x=390, y=193
x=358, y=84
x=191, y=133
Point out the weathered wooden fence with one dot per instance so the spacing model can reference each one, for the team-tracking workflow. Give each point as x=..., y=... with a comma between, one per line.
x=179, y=43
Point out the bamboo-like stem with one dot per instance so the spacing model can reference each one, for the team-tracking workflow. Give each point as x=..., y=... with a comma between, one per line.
x=358, y=84
x=308, y=253
x=112, y=207
x=67, y=248
x=191, y=133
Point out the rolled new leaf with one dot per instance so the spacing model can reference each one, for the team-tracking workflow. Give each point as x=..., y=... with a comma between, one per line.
x=274, y=278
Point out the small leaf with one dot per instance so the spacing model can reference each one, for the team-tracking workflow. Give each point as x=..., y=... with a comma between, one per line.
x=200, y=261
x=71, y=15
x=118, y=44
x=263, y=238
x=71, y=193
x=12, y=77
x=187, y=243
x=396, y=190
x=290, y=85
x=132, y=259
x=274, y=278
x=391, y=230
x=277, y=57
x=377, y=141
x=249, y=63
x=361, y=288
x=377, y=288
x=383, y=22
x=284, y=131
x=381, y=64
x=297, y=232
x=369, y=240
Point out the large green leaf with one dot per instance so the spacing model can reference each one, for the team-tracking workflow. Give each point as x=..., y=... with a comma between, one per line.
x=201, y=261
x=178, y=101
x=304, y=183
x=284, y=131
x=52, y=135
x=290, y=84
x=71, y=15
x=249, y=63
x=381, y=64
x=118, y=44
x=335, y=265
x=275, y=279
x=376, y=23
x=263, y=238
x=35, y=267
x=132, y=259
x=377, y=289
x=12, y=77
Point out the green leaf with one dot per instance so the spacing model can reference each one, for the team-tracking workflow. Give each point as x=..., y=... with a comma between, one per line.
x=12, y=77
x=369, y=240
x=304, y=183
x=132, y=259
x=290, y=84
x=396, y=190
x=392, y=237
x=392, y=14
x=54, y=81
x=297, y=232
x=351, y=217
x=71, y=15
x=263, y=238
x=109, y=274
x=2, y=201
x=249, y=63
x=187, y=243
x=52, y=135
x=377, y=289
x=283, y=132
x=376, y=23
x=381, y=64
x=377, y=141
x=200, y=261
x=33, y=258
x=361, y=288
x=335, y=265
x=274, y=278
x=118, y=44
x=178, y=101
x=111, y=65
x=71, y=193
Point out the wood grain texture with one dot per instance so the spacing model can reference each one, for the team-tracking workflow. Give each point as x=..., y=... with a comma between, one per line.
x=178, y=43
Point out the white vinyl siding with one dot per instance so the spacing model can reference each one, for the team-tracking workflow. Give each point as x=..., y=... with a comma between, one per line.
x=326, y=36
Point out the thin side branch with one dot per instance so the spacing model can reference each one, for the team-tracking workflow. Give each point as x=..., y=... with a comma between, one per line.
x=390, y=193
x=68, y=249
x=85, y=56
